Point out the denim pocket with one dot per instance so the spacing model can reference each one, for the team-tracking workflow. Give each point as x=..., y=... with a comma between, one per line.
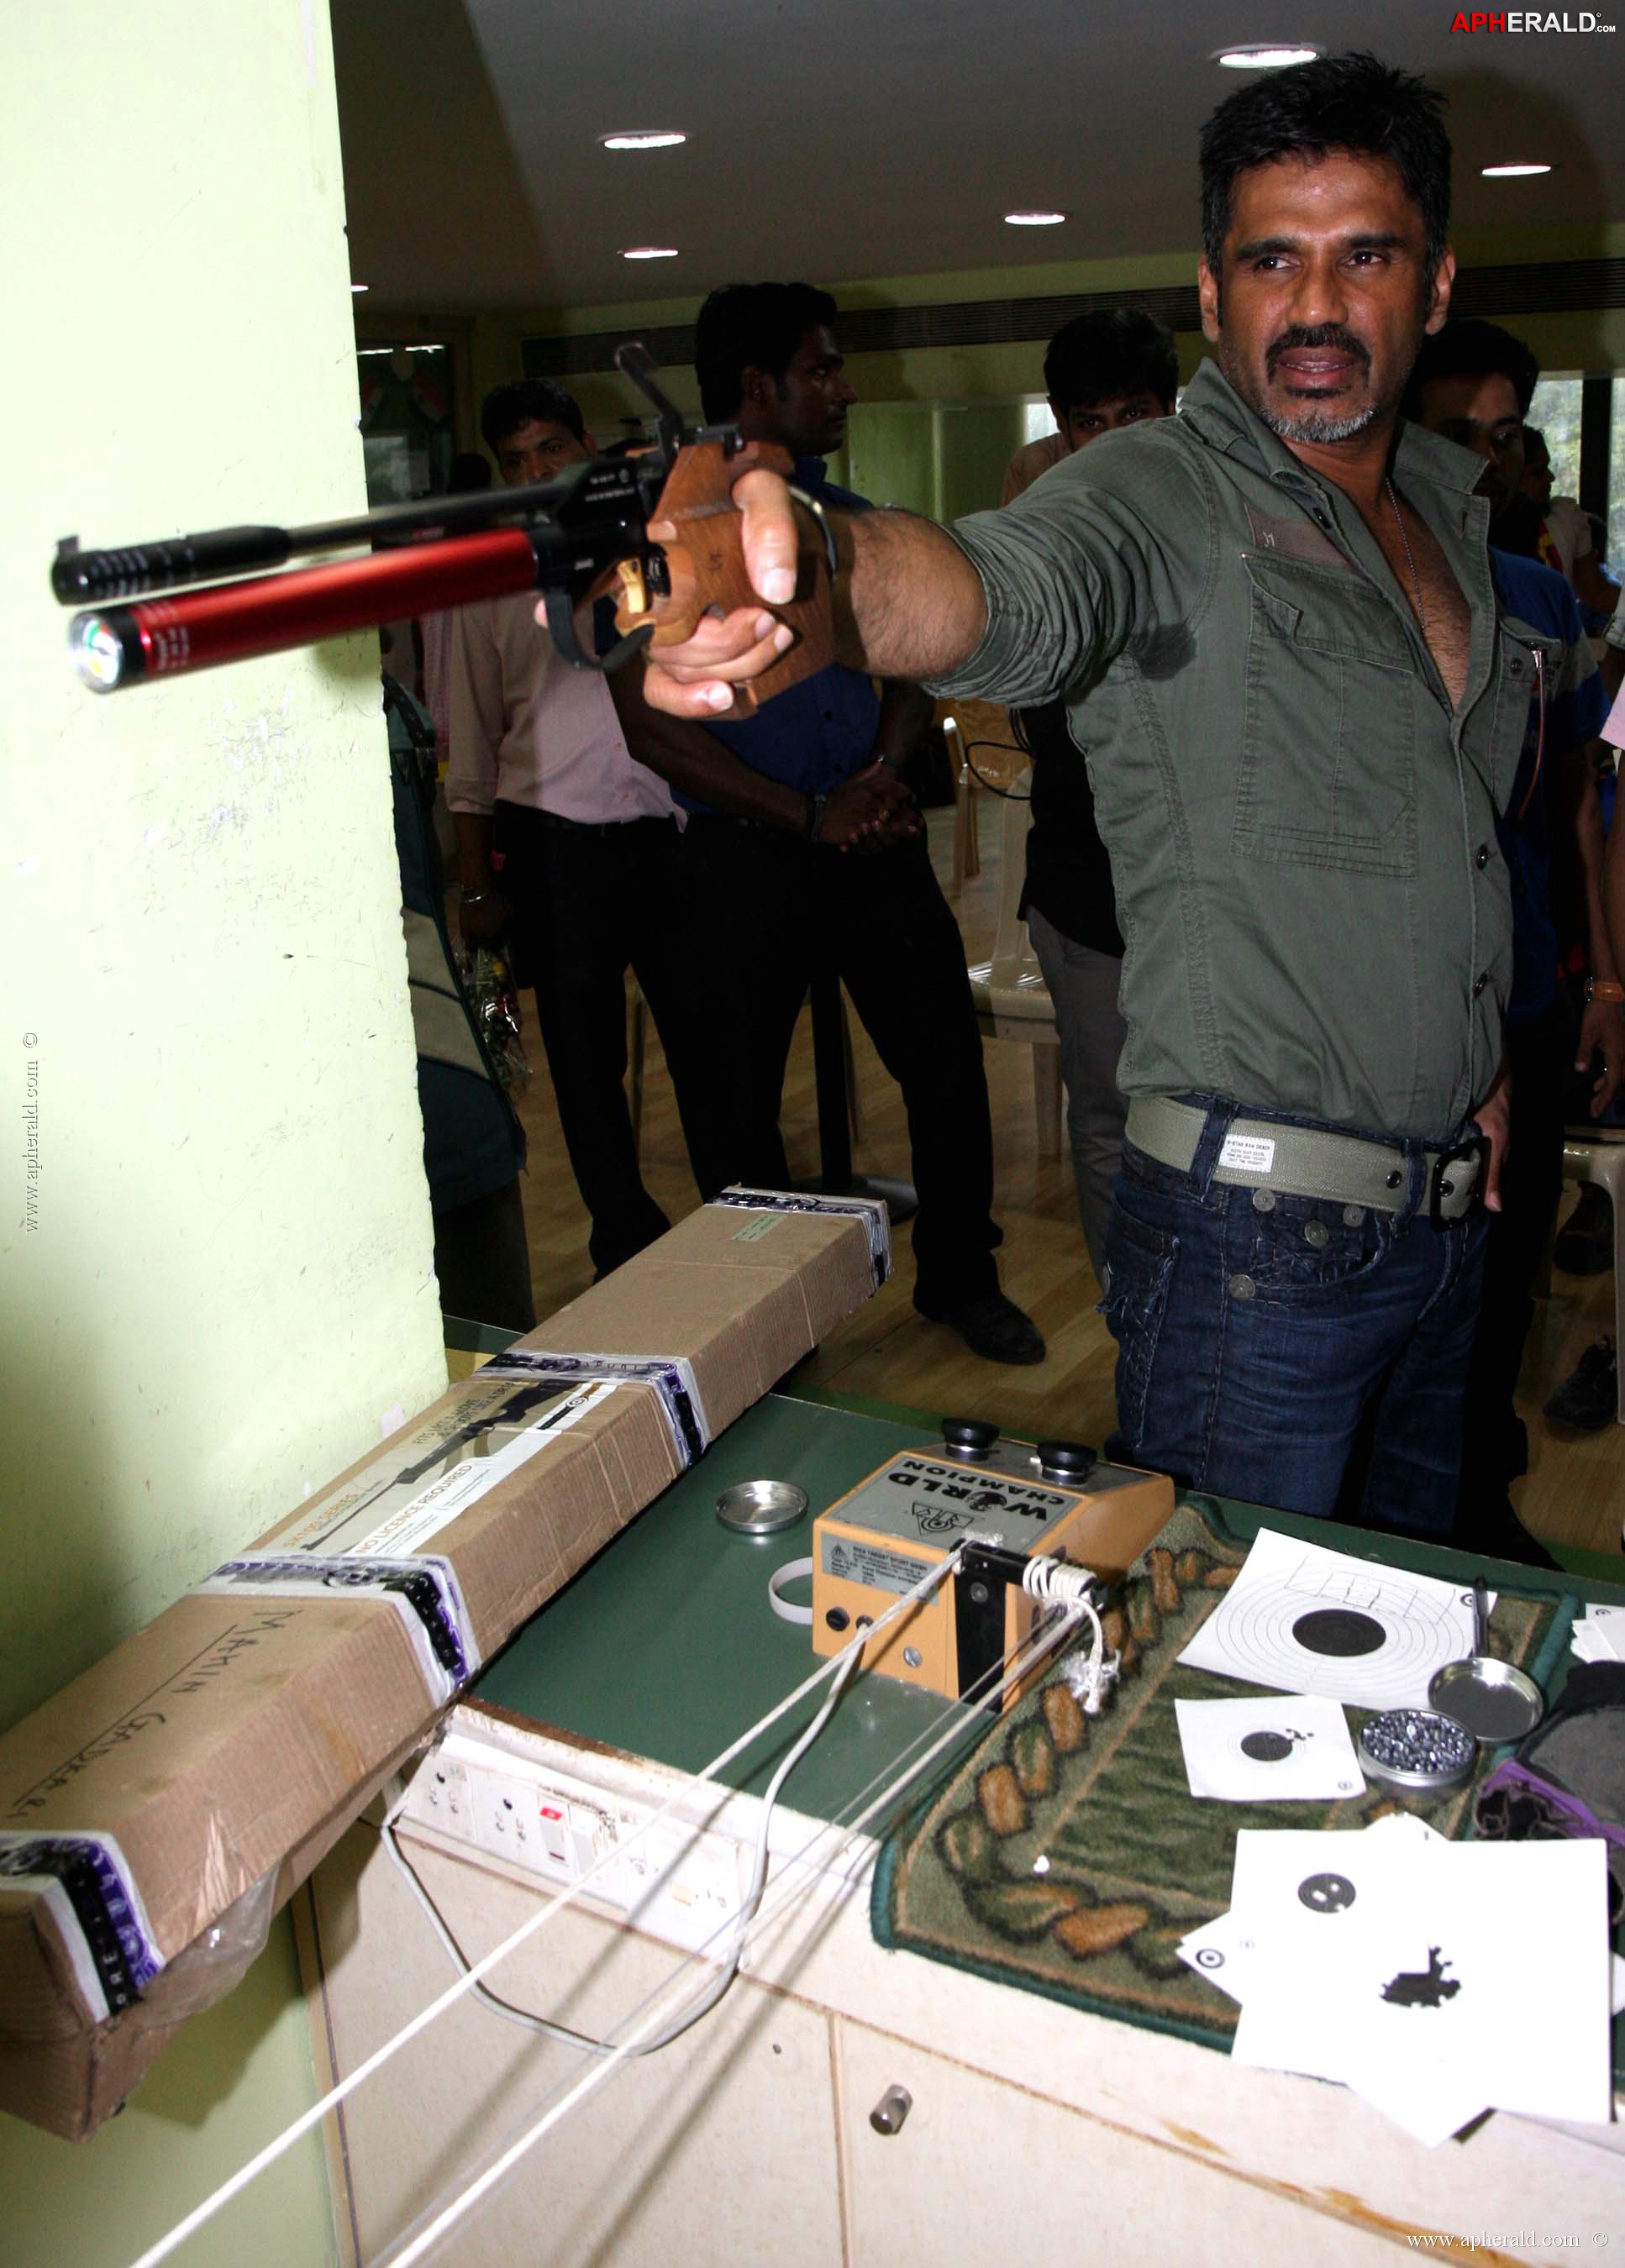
x=1305, y=1245
x=1140, y=1265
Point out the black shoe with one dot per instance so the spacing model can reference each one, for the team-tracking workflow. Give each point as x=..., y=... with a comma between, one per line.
x=1584, y=1245
x=1495, y=1532
x=990, y=1325
x=1591, y=1398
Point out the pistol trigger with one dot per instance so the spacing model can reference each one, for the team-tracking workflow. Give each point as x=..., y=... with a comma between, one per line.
x=634, y=599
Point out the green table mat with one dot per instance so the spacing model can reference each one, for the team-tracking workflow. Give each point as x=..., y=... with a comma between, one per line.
x=1067, y=1855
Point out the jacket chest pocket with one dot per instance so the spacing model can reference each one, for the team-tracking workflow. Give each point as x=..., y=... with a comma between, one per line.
x=1327, y=772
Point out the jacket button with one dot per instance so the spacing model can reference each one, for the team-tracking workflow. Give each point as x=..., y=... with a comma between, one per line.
x=1263, y=1200
x=1394, y=1178
x=1242, y=1287
x=1483, y=855
x=1316, y=1232
x=1479, y=984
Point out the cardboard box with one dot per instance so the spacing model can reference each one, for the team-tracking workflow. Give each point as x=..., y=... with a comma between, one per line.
x=157, y=1810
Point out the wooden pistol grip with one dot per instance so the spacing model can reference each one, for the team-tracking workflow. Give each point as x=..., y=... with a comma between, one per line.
x=706, y=564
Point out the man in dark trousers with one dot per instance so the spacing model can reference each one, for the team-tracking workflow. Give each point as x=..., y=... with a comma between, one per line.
x=1472, y=383
x=772, y=898
x=1105, y=372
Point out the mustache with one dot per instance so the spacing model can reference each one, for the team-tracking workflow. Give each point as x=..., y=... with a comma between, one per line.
x=1317, y=335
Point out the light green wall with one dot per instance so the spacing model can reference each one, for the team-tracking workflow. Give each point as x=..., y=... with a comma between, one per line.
x=219, y=1280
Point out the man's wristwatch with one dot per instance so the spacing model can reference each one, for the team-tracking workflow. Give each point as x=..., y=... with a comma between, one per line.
x=1603, y=989
x=812, y=826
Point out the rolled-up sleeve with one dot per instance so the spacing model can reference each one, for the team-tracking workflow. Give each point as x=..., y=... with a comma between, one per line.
x=478, y=715
x=1070, y=574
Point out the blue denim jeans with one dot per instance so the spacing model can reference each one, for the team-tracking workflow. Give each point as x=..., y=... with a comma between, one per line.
x=1288, y=1350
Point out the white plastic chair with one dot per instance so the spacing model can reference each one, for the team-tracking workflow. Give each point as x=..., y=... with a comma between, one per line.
x=1012, y=1000
x=967, y=842
x=1592, y=1154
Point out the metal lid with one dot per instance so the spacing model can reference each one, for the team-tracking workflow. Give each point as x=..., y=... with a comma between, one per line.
x=1495, y=1700
x=761, y=1507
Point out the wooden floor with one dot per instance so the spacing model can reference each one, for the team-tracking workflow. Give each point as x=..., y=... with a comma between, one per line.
x=1575, y=1492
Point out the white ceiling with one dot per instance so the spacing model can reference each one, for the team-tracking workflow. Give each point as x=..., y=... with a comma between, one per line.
x=843, y=139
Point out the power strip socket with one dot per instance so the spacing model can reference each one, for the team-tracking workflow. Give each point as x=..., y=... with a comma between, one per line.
x=676, y=1882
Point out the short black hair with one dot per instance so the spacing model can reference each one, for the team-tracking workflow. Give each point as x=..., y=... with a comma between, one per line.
x=1472, y=349
x=1112, y=351
x=467, y=474
x=744, y=326
x=507, y=408
x=1350, y=102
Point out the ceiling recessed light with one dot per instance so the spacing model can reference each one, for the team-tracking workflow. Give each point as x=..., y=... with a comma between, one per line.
x=650, y=137
x=1262, y=55
x=1511, y=173
x=651, y=252
x=358, y=287
x=1034, y=219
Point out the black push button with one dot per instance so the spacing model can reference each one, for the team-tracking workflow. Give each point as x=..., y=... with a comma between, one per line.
x=1067, y=1461
x=969, y=1437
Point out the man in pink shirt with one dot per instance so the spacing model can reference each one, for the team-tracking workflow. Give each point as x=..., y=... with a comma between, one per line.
x=565, y=846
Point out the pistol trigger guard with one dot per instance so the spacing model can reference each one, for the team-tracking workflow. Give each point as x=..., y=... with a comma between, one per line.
x=561, y=624
x=831, y=557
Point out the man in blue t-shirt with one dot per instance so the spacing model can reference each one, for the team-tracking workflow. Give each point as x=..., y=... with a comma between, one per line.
x=776, y=798
x=1472, y=384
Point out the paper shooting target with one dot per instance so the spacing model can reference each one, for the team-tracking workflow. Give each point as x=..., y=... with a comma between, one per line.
x=1307, y=1620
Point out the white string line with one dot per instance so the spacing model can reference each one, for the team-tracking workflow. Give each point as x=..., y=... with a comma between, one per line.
x=282, y=2143
x=598, y=2071
x=963, y=1710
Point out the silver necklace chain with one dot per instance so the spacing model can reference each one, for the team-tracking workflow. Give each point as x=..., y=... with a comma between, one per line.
x=1422, y=612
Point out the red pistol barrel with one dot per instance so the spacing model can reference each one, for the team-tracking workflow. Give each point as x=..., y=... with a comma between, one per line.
x=119, y=645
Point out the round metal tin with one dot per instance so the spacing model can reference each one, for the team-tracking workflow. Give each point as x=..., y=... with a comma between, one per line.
x=1495, y=1700
x=761, y=1507
x=1423, y=1749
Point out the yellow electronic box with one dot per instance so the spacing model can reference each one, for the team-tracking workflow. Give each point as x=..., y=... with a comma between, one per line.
x=1016, y=1502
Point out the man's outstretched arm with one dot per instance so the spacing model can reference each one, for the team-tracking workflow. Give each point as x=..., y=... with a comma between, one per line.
x=909, y=603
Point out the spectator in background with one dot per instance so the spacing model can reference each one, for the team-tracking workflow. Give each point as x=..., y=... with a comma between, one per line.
x=778, y=796
x=1565, y=538
x=473, y=1145
x=1103, y=373
x=1473, y=387
x=568, y=847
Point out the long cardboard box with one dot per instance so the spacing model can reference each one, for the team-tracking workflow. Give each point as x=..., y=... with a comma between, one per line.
x=155, y=1813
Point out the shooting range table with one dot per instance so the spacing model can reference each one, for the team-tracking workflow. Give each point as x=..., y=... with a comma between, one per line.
x=1068, y=2135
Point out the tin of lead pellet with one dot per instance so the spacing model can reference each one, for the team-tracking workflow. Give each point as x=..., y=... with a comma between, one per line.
x=1417, y=1749
x=761, y=1507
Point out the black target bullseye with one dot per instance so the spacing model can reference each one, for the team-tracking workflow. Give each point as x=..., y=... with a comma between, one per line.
x=1265, y=1747
x=1342, y=1632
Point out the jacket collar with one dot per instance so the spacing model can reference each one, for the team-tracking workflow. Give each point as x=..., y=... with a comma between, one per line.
x=1221, y=418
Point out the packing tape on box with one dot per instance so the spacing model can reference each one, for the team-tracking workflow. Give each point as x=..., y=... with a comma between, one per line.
x=870, y=1211
x=424, y=1593
x=87, y=1888
x=671, y=1375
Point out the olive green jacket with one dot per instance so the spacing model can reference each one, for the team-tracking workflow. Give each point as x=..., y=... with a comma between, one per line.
x=1315, y=911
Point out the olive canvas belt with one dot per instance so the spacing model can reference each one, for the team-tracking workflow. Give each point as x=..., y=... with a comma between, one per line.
x=1308, y=1161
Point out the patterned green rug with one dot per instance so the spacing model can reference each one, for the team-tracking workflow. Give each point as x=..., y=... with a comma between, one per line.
x=1066, y=1854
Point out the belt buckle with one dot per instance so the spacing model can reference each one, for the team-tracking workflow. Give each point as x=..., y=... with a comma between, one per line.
x=1475, y=1145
